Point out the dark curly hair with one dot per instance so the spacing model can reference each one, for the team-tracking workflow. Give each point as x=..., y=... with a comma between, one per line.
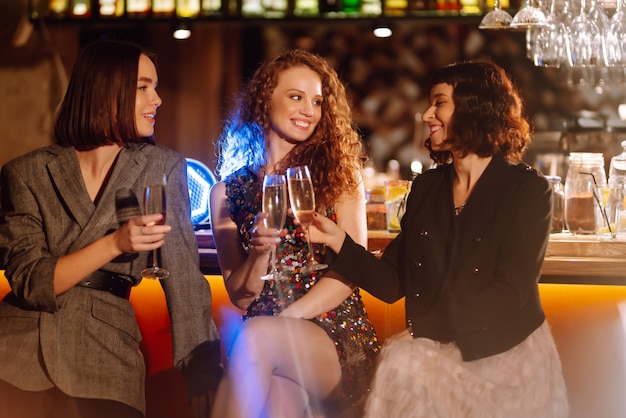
x=488, y=117
x=333, y=152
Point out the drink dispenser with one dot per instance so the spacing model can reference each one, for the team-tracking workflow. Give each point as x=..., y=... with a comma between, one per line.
x=616, y=204
x=584, y=182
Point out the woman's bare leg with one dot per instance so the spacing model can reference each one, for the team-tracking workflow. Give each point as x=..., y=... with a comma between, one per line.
x=286, y=399
x=294, y=349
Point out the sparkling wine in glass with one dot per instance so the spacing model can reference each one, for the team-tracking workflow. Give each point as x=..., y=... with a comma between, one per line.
x=275, y=206
x=302, y=198
x=155, y=201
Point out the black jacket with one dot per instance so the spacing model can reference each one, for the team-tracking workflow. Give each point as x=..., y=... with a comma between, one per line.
x=472, y=278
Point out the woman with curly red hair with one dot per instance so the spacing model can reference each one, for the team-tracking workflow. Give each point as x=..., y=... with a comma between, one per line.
x=306, y=344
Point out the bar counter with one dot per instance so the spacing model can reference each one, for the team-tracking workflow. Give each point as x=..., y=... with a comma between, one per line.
x=587, y=319
x=570, y=259
x=574, y=259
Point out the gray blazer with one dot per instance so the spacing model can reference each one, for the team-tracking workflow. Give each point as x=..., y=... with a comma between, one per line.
x=84, y=341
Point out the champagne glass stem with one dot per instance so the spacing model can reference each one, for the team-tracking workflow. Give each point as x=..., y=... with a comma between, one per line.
x=310, y=256
x=273, y=273
x=273, y=259
x=154, y=258
x=312, y=264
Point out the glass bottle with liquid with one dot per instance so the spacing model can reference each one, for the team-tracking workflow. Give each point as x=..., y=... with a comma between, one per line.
x=375, y=209
x=584, y=191
x=616, y=204
x=558, y=204
x=58, y=8
x=138, y=8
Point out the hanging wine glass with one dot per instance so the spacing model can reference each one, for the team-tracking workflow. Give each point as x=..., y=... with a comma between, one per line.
x=302, y=198
x=548, y=49
x=583, y=40
x=496, y=18
x=528, y=16
x=615, y=37
x=275, y=206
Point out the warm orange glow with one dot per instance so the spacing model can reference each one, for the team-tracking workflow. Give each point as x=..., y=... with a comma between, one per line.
x=560, y=302
x=586, y=323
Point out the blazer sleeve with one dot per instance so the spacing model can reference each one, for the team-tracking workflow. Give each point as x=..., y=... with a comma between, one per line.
x=195, y=339
x=24, y=251
x=377, y=276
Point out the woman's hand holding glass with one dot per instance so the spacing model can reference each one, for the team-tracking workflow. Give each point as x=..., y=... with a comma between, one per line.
x=323, y=230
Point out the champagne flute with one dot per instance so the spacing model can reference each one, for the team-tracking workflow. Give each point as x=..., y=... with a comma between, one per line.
x=275, y=206
x=155, y=201
x=302, y=198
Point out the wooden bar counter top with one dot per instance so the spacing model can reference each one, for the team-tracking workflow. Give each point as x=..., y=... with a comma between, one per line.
x=569, y=258
x=575, y=259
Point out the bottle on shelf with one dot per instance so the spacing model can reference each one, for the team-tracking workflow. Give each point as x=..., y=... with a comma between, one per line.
x=187, y=9
x=449, y=6
x=212, y=8
x=81, y=8
x=58, y=8
x=470, y=7
x=420, y=6
x=163, y=8
x=272, y=9
x=350, y=7
x=111, y=8
x=371, y=8
x=138, y=8
x=306, y=8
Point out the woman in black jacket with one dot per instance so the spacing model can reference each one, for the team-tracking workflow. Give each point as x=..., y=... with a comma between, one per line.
x=468, y=261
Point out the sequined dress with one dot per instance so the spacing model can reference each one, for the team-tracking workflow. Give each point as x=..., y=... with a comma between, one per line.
x=347, y=325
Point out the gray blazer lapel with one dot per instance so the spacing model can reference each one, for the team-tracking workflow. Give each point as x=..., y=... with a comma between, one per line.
x=129, y=169
x=65, y=175
x=126, y=172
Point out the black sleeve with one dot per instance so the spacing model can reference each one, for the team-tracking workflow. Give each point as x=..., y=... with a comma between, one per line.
x=377, y=276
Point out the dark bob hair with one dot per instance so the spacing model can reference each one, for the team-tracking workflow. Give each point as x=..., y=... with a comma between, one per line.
x=99, y=104
x=488, y=117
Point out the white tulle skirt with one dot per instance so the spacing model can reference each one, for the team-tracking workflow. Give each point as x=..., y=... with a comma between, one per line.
x=423, y=378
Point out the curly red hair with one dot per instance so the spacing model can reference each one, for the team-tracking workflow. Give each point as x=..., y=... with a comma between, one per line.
x=334, y=152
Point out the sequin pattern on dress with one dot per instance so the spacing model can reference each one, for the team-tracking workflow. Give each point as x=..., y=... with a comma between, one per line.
x=347, y=325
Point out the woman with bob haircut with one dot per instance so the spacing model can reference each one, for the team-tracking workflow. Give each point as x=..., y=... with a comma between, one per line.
x=73, y=243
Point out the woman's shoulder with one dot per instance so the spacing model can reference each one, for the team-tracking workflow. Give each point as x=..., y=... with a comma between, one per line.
x=524, y=172
x=243, y=175
x=242, y=185
x=38, y=157
x=521, y=176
